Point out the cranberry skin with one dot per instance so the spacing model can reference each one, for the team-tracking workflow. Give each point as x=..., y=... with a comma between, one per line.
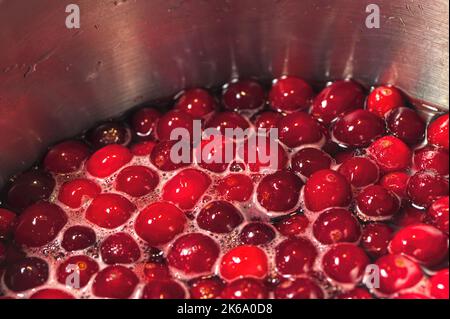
x=244, y=261
x=242, y=95
x=156, y=271
x=335, y=226
x=144, y=121
x=26, y=273
x=299, y=288
x=266, y=120
x=159, y=223
x=78, y=238
x=376, y=238
x=293, y=226
x=376, y=202
x=437, y=214
x=263, y=155
x=245, y=288
x=196, y=102
x=310, y=160
x=396, y=182
x=406, y=124
x=7, y=223
x=215, y=154
x=289, y=94
x=432, y=159
x=357, y=293
x=411, y=295
x=437, y=132
x=358, y=128
x=327, y=188
x=425, y=187
x=345, y=263
x=439, y=285
x=257, y=233
x=359, y=171
x=137, y=181
x=186, y=188
x=390, y=153
x=29, y=188
x=66, y=157
x=53, y=294
x=235, y=187
x=84, y=266
x=174, y=119
x=297, y=129
x=279, y=192
x=409, y=216
x=206, y=288
x=193, y=253
x=160, y=157
x=163, y=289
x=295, y=256
x=142, y=148
x=384, y=99
x=337, y=99
x=39, y=224
x=227, y=120
x=423, y=243
x=119, y=248
x=109, y=210
x=116, y=282
x=108, y=160
x=219, y=217
x=397, y=272
x=109, y=133
x=2, y=255
x=76, y=192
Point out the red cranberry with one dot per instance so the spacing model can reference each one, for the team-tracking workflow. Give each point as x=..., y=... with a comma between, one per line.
x=25, y=274
x=235, y=187
x=196, y=102
x=390, y=153
x=115, y=282
x=299, y=288
x=137, y=181
x=53, y=294
x=7, y=222
x=310, y=160
x=186, y=188
x=244, y=261
x=439, y=285
x=39, y=224
x=357, y=293
x=411, y=295
x=325, y=189
x=174, y=120
x=433, y=159
x=142, y=148
x=76, y=271
x=409, y=216
x=297, y=129
x=156, y=271
x=377, y=203
x=376, y=238
x=293, y=226
x=227, y=120
x=295, y=256
x=119, y=248
x=108, y=160
x=266, y=121
x=359, y=171
x=335, y=226
x=438, y=214
x=384, y=99
x=161, y=158
x=437, y=132
x=243, y=94
x=396, y=182
x=219, y=217
x=76, y=192
x=425, y=187
x=2, y=255
x=345, y=263
x=66, y=157
x=342, y=156
x=263, y=155
x=336, y=99
x=78, y=238
x=423, y=243
x=216, y=154
x=109, y=210
x=279, y=192
x=193, y=253
x=159, y=223
x=245, y=288
x=206, y=288
x=257, y=233
x=163, y=289
x=144, y=122
x=109, y=133
x=289, y=94
x=406, y=124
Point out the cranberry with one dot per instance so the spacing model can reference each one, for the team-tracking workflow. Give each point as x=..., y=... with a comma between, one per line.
x=390, y=153
x=76, y=271
x=142, y=148
x=119, y=248
x=310, y=160
x=78, y=191
x=108, y=160
x=29, y=188
x=163, y=289
x=137, y=181
x=439, y=285
x=406, y=124
x=243, y=94
x=51, y=294
x=299, y=288
x=335, y=226
x=245, y=288
x=409, y=216
x=7, y=222
x=411, y=295
x=344, y=155
x=279, y=192
x=66, y=157
x=257, y=233
x=109, y=210
x=206, y=288
x=358, y=128
x=156, y=271
x=263, y=155
x=196, y=102
x=2, y=255
x=244, y=261
x=337, y=99
x=266, y=121
x=325, y=189
x=359, y=171
x=25, y=274
x=174, y=120
x=78, y=238
x=39, y=224
x=376, y=238
x=433, y=159
x=384, y=99
x=357, y=293
x=216, y=154
x=396, y=182
x=109, y=133
x=438, y=214
x=425, y=187
x=289, y=94
x=144, y=122
x=159, y=223
x=295, y=256
x=437, y=132
x=162, y=159
x=219, y=217
x=115, y=282
x=235, y=187
x=293, y=226
x=193, y=253
x=227, y=120
x=297, y=129
x=377, y=203
x=186, y=188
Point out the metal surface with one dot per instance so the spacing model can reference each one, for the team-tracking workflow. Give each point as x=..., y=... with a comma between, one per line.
x=55, y=82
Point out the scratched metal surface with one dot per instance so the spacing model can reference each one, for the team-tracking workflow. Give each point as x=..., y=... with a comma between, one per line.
x=55, y=82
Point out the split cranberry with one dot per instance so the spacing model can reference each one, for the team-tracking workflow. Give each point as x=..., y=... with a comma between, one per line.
x=409, y=216
x=163, y=289
x=7, y=222
x=162, y=159
x=396, y=182
x=193, y=253
x=390, y=153
x=377, y=203
x=345, y=263
x=337, y=99
x=109, y=210
x=66, y=157
x=216, y=154
x=137, y=181
x=219, y=217
x=108, y=160
x=406, y=124
x=227, y=120
x=357, y=293
x=156, y=271
x=235, y=187
x=433, y=159
x=142, y=148
x=437, y=214
x=206, y=288
x=376, y=238
x=119, y=248
x=76, y=271
x=325, y=189
x=78, y=238
x=39, y=224
x=51, y=294
x=335, y=226
x=173, y=120
x=109, y=133
x=425, y=187
x=242, y=95
x=25, y=274
x=159, y=223
x=295, y=256
x=116, y=282
x=289, y=94
x=359, y=171
x=257, y=233
x=439, y=285
x=144, y=122
x=437, y=132
x=78, y=191
x=299, y=288
x=297, y=129
x=244, y=261
x=263, y=155
x=423, y=243
x=310, y=160
x=245, y=288
x=266, y=121
x=186, y=188
x=384, y=99
x=293, y=226
x=196, y=102
x=279, y=192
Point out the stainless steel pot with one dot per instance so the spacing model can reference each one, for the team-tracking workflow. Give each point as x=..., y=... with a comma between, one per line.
x=55, y=82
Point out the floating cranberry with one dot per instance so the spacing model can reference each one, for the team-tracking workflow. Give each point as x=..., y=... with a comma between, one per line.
x=78, y=238
x=76, y=192
x=406, y=124
x=171, y=123
x=297, y=129
x=335, y=226
x=216, y=154
x=76, y=271
x=119, y=248
x=2, y=256
x=289, y=94
x=257, y=233
x=7, y=222
x=376, y=238
x=377, y=203
x=357, y=293
x=411, y=295
x=439, y=285
x=266, y=120
x=263, y=155
x=359, y=171
x=409, y=216
x=53, y=294
x=244, y=261
x=25, y=274
x=109, y=133
x=396, y=182
x=66, y=157
x=437, y=214
x=144, y=121
x=108, y=160
x=116, y=282
x=163, y=289
x=310, y=160
x=142, y=148
x=227, y=120
x=137, y=181
x=425, y=187
x=219, y=217
x=109, y=210
x=235, y=187
x=206, y=288
x=156, y=271
x=295, y=256
x=384, y=99
x=293, y=226
x=432, y=159
x=299, y=288
x=243, y=94
x=161, y=156
x=437, y=132
x=196, y=102
x=245, y=288
x=390, y=153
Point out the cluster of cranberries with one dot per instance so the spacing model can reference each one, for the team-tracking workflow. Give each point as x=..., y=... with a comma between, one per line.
x=362, y=180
